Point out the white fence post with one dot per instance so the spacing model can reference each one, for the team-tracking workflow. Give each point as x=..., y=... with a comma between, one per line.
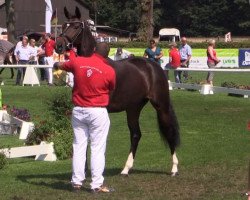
x=26, y=127
x=206, y=89
x=43, y=152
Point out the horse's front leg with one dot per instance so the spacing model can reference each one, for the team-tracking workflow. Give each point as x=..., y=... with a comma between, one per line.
x=135, y=135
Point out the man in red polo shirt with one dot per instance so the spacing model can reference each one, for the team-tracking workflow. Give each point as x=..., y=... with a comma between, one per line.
x=175, y=61
x=49, y=47
x=93, y=81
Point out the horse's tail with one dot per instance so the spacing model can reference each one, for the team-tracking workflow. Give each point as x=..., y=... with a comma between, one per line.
x=169, y=127
x=167, y=120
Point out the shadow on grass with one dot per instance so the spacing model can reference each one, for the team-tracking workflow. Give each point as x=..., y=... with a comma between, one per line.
x=62, y=181
x=56, y=181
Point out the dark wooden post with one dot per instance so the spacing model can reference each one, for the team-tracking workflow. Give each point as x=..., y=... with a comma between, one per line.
x=10, y=20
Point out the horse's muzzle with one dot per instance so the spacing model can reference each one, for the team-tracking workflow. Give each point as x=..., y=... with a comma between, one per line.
x=59, y=49
x=60, y=46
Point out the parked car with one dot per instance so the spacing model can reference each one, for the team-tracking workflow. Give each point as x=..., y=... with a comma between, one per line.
x=169, y=34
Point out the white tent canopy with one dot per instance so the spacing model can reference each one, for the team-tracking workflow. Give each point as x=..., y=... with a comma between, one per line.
x=170, y=34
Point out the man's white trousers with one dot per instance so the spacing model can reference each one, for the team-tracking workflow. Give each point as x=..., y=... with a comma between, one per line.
x=49, y=61
x=89, y=124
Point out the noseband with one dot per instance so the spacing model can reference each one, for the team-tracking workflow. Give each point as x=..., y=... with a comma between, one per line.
x=70, y=41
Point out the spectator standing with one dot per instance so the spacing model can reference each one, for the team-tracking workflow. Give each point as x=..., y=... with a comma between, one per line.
x=175, y=61
x=153, y=52
x=186, y=53
x=41, y=57
x=33, y=58
x=93, y=81
x=69, y=55
x=49, y=47
x=19, y=43
x=22, y=54
x=120, y=54
x=212, y=60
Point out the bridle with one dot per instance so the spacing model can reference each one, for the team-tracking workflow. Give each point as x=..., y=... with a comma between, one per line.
x=70, y=41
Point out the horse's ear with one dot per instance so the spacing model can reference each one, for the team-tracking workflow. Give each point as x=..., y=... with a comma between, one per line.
x=78, y=13
x=66, y=13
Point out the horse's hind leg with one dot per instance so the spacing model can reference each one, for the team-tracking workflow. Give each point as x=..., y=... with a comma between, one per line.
x=133, y=115
x=12, y=73
x=1, y=70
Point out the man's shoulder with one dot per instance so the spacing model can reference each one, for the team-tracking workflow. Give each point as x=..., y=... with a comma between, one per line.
x=188, y=46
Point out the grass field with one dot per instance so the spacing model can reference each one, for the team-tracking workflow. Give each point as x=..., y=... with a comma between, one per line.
x=213, y=156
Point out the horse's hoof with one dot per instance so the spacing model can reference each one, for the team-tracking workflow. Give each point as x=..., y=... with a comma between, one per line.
x=173, y=174
x=124, y=174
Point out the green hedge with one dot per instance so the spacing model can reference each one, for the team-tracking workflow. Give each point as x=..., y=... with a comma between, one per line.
x=197, y=45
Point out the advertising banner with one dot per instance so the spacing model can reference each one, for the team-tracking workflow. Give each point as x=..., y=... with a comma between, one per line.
x=201, y=62
x=244, y=57
x=229, y=57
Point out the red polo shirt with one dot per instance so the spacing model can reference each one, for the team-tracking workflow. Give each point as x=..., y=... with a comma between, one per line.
x=93, y=80
x=174, y=54
x=49, y=47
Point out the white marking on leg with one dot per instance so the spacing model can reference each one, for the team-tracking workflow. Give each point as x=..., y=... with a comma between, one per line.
x=175, y=164
x=128, y=165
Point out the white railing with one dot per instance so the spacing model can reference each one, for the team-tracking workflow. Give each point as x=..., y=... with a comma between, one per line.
x=30, y=77
x=213, y=70
x=208, y=89
x=25, y=65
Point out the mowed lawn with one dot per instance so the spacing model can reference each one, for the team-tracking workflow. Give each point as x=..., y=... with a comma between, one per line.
x=213, y=155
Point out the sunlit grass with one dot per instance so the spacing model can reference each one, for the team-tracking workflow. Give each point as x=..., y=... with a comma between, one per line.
x=213, y=155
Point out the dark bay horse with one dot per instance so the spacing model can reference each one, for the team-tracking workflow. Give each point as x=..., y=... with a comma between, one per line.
x=138, y=81
x=8, y=58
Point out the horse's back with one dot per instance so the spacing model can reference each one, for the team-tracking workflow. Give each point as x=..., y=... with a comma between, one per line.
x=135, y=78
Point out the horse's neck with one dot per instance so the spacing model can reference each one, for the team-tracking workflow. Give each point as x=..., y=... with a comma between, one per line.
x=88, y=43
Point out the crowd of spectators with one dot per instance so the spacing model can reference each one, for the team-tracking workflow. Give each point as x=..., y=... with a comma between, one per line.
x=41, y=52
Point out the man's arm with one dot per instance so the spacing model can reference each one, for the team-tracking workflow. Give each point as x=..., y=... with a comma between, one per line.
x=189, y=54
x=188, y=58
x=15, y=54
x=58, y=66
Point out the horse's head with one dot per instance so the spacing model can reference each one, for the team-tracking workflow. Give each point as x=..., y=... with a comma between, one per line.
x=75, y=33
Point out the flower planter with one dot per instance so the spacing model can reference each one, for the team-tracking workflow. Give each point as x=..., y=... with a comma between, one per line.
x=7, y=128
x=11, y=124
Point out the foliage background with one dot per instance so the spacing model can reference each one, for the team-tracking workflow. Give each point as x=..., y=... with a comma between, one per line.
x=193, y=18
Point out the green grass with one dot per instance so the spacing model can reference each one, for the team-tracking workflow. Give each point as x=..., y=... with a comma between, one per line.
x=213, y=156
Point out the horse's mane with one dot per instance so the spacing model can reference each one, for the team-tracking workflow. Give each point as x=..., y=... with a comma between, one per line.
x=88, y=43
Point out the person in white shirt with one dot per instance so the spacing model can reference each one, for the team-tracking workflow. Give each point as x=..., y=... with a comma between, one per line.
x=33, y=58
x=121, y=54
x=23, y=54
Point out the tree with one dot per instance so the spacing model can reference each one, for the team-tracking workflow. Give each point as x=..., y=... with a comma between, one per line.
x=10, y=20
x=239, y=17
x=192, y=18
x=145, y=32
